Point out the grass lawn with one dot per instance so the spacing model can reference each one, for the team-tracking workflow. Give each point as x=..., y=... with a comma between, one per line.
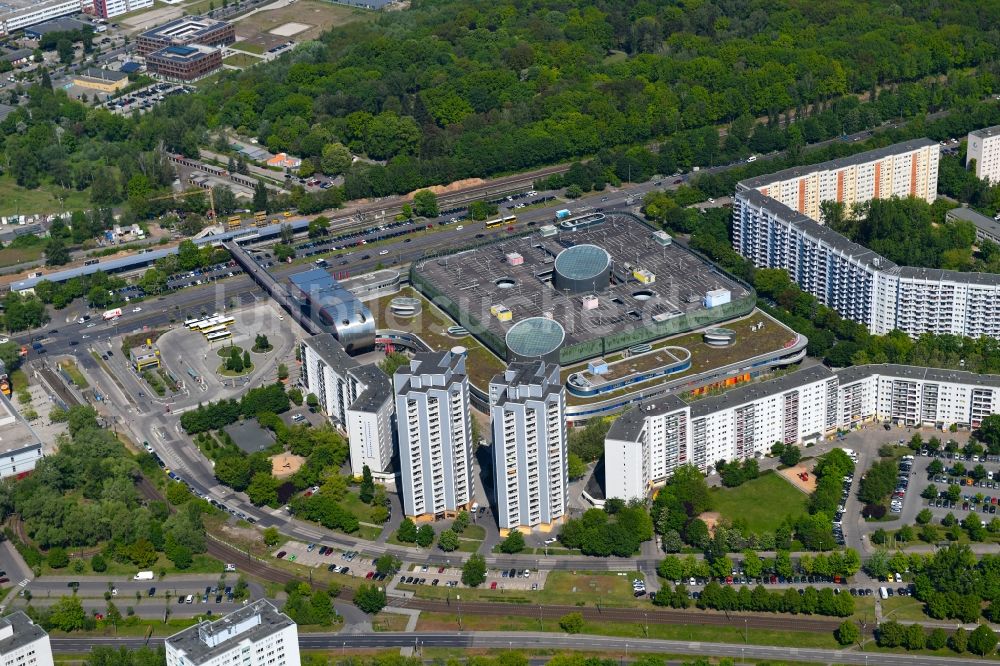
x=352, y=503
x=44, y=199
x=242, y=60
x=474, y=532
x=134, y=628
x=903, y=608
x=591, y=588
x=200, y=564
x=468, y=545
x=755, y=502
x=389, y=622
x=431, y=325
x=249, y=47
x=69, y=367
x=676, y=632
x=11, y=256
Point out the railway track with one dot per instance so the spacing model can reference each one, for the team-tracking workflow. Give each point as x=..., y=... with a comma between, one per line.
x=252, y=567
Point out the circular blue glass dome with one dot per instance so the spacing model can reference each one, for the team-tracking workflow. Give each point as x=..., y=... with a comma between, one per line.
x=582, y=268
x=535, y=338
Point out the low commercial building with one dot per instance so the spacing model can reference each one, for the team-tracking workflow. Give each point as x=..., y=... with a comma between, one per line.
x=17, y=57
x=357, y=397
x=184, y=32
x=285, y=161
x=645, y=445
x=20, y=447
x=103, y=80
x=255, y=635
x=23, y=643
x=39, y=19
x=986, y=227
x=184, y=63
x=144, y=357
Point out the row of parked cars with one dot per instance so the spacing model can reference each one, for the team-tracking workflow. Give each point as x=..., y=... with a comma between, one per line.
x=902, y=484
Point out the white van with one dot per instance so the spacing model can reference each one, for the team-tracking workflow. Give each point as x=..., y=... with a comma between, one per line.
x=882, y=592
x=752, y=158
x=188, y=599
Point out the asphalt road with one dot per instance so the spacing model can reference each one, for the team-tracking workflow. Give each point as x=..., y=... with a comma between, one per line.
x=544, y=641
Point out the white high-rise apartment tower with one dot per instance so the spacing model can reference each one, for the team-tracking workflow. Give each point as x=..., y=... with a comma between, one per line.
x=528, y=410
x=984, y=147
x=255, y=635
x=23, y=643
x=434, y=431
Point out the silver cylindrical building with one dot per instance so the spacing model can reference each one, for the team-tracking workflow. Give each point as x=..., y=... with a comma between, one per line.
x=582, y=268
x=535, y=339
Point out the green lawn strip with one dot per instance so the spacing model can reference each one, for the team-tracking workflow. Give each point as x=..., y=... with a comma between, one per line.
x=755, y=502
x=70, y=368
x=15, y=200
x=903, y=608
x=352, y=503
x=135, y=626
x=200, y=564
x=431, y=325
x=468, y=545
x=591, y=588
x=242, y=60
x=389, y=622
x=396, y=542
x=676, y=632
x=474, y=532
x=11, y=256
x=248, y=47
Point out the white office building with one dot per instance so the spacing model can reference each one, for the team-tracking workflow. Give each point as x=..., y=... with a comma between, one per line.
x=23, y=643
x=528, y=412
x=900, y=170
x=20, y=447
x=860, y=284
x=24, y=13
x=357, y=397
x=434, y=431
x=983, y=146
x=646, y=444
x=255, y=635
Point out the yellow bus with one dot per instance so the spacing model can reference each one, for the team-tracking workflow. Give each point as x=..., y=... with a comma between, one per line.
x=502, y=221
x=235, y=221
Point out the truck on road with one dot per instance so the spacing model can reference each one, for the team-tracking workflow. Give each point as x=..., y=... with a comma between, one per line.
x=143, y=575
x=112, y=314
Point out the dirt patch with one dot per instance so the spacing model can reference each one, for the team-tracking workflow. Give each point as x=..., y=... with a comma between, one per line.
x=285, y=465
x=451, y=187
x=711, y=519
x=807, y=484
x=289, y=29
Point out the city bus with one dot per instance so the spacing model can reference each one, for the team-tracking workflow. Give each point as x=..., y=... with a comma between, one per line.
x=219, y=335
x=235, y=221
x=214, y=329
x=214, y=321
x=502, y=221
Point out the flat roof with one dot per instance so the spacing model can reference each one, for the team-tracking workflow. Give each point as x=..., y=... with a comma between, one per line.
x=378, y=389
x=324, y=293
x=628, y=426
x=838, y=163
x=16, y=434
x=328, y=348
x=858, y=372
x=137, y=260
x=187, y=28
x=750, y=392
x=986, y=132
x=102, y=74
x=985, y=224
x=207, y=640
x=182, y=53
x=480, y=278
x=63, y=24
x=817, y=231
x=249, y=436
x=25, y=632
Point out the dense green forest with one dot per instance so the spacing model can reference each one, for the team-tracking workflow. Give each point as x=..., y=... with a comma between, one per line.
x=451, y=89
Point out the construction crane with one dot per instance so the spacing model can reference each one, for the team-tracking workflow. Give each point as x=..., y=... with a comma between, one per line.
x=188, y=193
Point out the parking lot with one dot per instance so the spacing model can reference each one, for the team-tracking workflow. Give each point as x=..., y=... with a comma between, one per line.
x=965, y=483
x=145, y=99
